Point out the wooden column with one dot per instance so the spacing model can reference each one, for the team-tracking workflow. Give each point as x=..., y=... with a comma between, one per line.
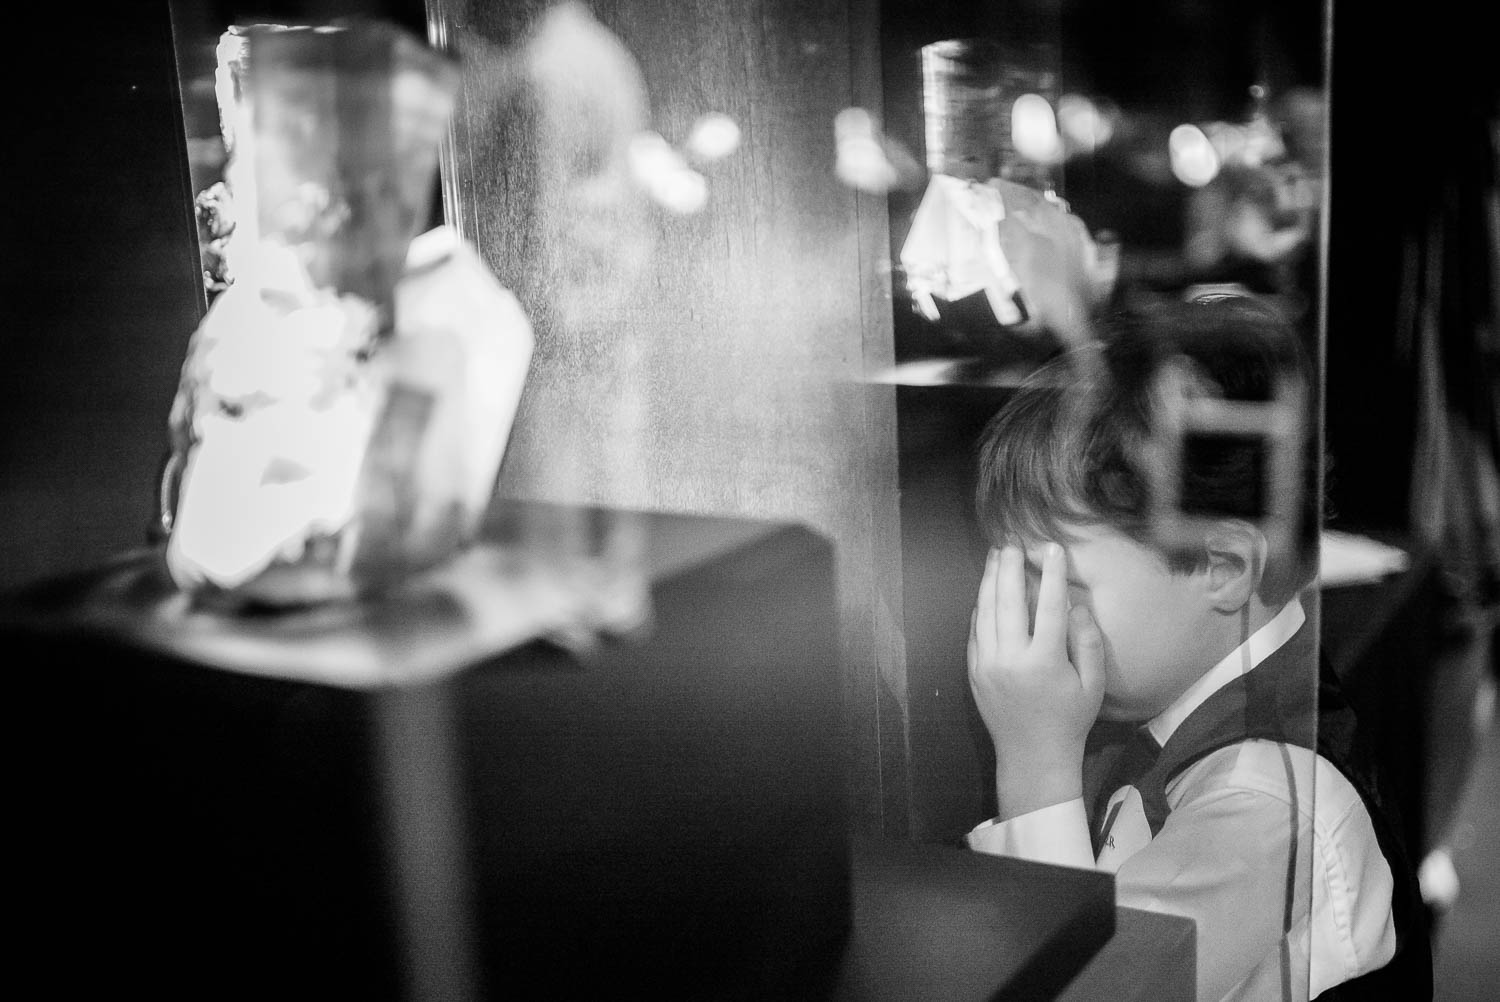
x=728, y=379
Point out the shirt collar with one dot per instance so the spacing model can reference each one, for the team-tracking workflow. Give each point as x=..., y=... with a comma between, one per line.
x=1238, y=662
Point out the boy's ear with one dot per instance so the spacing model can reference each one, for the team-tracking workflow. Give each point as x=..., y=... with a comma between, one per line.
x=1236, y=559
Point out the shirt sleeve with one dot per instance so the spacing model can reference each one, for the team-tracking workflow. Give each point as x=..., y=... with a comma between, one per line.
x=1058, y=834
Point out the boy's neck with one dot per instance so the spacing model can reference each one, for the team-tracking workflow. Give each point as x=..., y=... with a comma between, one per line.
x=1236, y=628
x=1249, y=620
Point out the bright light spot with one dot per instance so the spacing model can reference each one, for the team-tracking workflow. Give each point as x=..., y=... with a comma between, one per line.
x=1194, y=161
x=683, y=192
x=650, y=154
x=665, y=176
x=1033, y=129
x=859, y=158
x=1438, y=879
x=853, y=123
x=1085, y=127
x=714, y=137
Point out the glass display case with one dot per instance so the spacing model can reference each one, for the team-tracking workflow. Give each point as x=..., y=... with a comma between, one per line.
x=788, y=260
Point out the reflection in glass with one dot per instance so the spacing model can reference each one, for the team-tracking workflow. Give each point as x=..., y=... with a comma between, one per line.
x=345, y=402
x=1143, y=649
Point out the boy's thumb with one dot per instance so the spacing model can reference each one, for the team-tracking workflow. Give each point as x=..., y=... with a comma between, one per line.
x=1086, y=649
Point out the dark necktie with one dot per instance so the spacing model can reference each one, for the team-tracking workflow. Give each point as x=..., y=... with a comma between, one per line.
x=1118, y=755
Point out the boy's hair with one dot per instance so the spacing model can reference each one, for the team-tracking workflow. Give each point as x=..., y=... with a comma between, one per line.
x=1072, y=447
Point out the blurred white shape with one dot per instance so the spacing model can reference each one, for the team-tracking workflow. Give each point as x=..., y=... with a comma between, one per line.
x=953, y=249
x=283, y=412
x=1346, y=558
x=1263, y=142
x=260, y=487
x=229, y=55
x=860, y=158
x=1084, y=125
x=282, y=392
x=592, y=234
x=714, y=137
x=237, y=126
x=683, y=192
x=1033, y=129
x=449, y=305
x=1438, y=880
x=1194, y=161
x=1229, y=141
x=665, y=175
x=651, y=155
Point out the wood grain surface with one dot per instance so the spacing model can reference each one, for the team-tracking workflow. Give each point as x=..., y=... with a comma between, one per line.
x=710, y=363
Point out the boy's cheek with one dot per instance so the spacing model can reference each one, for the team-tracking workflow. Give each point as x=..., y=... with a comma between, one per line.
x=1121, y=701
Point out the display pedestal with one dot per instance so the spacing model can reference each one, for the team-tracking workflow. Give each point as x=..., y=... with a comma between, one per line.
x=423, y=797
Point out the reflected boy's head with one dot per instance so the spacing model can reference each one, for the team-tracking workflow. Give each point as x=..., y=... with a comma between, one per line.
x=1084, y=453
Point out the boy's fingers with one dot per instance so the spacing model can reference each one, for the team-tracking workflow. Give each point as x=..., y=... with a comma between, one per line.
x=1010, y=600
x=1086, y=648
x=1052, y=600
x=972, y=652
x=983, y=629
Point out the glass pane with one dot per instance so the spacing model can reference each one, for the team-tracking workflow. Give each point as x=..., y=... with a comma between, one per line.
x=1107, y=314
x=949, y=283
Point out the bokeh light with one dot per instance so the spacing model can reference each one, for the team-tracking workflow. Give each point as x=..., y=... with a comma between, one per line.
x=1033, y=129
x=1194, y=161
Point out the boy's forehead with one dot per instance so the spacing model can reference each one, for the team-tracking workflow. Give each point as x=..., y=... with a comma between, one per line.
x=1069, y=534
x=1095, y=544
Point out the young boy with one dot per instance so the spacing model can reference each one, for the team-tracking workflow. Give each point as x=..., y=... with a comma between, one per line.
x=1150, y=680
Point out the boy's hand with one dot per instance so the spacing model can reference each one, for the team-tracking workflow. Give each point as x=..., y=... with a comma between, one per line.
x=1038, y=689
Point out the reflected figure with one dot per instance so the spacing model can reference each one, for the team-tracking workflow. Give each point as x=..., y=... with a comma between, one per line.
x=994, y=257
x=345, y=403
x=1004, y=260
x=571, y=222
x=1154, y=700
x=1253, y=226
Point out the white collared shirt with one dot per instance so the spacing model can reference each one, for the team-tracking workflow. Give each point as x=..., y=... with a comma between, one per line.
x=1221, y=857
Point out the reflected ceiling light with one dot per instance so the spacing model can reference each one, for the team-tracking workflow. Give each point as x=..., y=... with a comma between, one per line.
x=1084, y=124
x=1194, y=161
x=1033, y=129
x=714, y=137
